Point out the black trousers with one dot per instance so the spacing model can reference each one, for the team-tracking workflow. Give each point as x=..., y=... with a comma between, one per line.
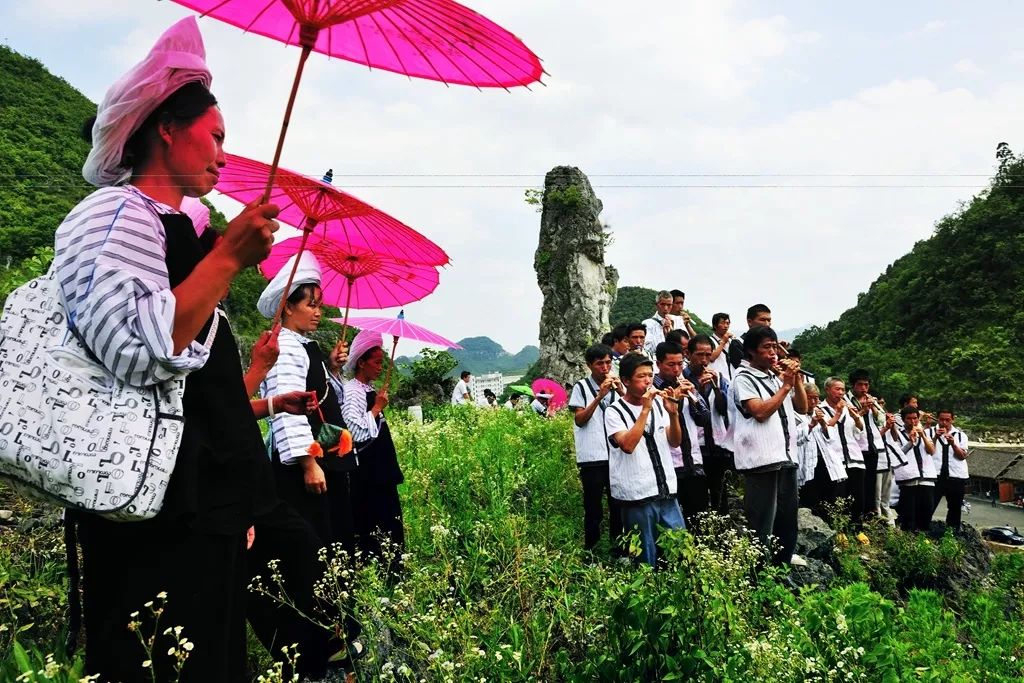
x=596, y=487
x=870, y=476
x=770, y=502
x=855, y=492
x=716, y=463
x=377, y=511
x=821, y=490
x=285, y=536
x=914, y=512
x=953, y=490
x=125, y=565
x=692, y=494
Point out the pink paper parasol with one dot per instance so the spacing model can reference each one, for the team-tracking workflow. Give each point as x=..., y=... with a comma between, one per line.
x=433, y=39
x=307, y=202
x=357, y=278
x=550, y=386
x=400, y=328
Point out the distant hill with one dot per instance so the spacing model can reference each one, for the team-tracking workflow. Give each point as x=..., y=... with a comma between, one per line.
x=944, y=320
x=483, y=354
x=41, y=154
x=635, y=304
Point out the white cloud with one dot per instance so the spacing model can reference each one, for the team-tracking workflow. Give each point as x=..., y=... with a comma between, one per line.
x=672, y=87
x=933, y=26
x=967, y=67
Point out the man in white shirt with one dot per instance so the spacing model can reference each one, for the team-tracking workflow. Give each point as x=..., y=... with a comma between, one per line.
x=950, y=460
x=659, y=324
x=916, y=478
x=762, y=410
x=721, y=338
x=642, y=427
x=758, y=315
x=844, y=439
x=871, y=442
x=589, y=400
x=680, y=318
x=460, y=395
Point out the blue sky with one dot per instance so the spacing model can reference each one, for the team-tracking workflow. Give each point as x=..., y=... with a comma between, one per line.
x=806, y=93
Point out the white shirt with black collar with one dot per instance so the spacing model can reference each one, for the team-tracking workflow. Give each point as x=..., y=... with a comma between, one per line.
x=843, y=438
x=761, y=445
x=591, y=439
x=945, y=457
x=641, y=476
x=919, y=468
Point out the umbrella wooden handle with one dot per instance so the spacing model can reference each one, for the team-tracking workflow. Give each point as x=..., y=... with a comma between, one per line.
x=391, y=364
x=291, y=276
x=287, y=119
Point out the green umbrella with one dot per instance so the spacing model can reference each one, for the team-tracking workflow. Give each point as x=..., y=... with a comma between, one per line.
x=521, y=389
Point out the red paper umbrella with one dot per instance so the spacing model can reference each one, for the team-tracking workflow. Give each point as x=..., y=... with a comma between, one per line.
x=438, y=40
x=306, y=202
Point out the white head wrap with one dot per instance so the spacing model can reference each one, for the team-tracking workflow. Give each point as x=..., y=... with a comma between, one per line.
x=307, y=272
x=177, y=58
x=198, y=212
x=363, y=342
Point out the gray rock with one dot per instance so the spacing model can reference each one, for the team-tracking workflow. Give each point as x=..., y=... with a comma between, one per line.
x=814, y=538
x=6, y=516
x=578, y=288
x=816, y=573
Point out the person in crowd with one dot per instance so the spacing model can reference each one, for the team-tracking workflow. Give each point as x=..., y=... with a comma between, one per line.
x=758, y=315
x=377, y=477
x=642, y=427
x=889, y=458
x=619, y=345
x=687, y=458
x=715, y=433
x=607, y=339
x=490, y=400
x=916, y=478
x=542, y=404
x=763, y=406
x=870, y=439
x=680, y=318
x=637, y=335
x=823, y=471
x=721, y=339
x=659, y=324
x=514, y=401
x=844, y=440
x=286, y=537
x=145, y=291
x=461, y=394
x=589, y=399
x=311, y=478
x=681, y=338
x=950, y=461
x=795, y=354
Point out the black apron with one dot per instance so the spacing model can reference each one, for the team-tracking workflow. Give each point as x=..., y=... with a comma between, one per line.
x=378, y=460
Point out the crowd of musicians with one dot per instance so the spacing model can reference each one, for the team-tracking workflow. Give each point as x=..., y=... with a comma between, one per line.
x=665, y=414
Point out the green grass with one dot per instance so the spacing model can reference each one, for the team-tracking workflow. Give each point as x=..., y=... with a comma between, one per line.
x=497, y=587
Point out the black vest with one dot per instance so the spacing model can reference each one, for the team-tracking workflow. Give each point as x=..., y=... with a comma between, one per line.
x=330, y=406
x=222, y=479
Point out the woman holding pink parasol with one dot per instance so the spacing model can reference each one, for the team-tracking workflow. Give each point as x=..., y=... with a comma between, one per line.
x=143, y=293
x=377, y=508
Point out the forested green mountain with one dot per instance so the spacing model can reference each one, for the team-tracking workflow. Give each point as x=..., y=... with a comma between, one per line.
x=41, y=154
x=945, y=320
x=483, y=354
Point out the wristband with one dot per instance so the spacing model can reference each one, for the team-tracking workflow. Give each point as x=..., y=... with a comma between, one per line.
x=270, y=407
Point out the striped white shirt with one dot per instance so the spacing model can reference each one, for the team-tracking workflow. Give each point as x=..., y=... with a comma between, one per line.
x=360, y=421
x=639, y=476
x=109, y=260
x=591, y=439
x=290, y=434
x=756, y=444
